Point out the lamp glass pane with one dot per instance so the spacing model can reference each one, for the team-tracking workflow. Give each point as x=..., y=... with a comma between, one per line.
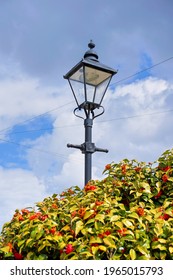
x=100, y=91
x=90, y=91
x=78, y=75
x=89, y=84
x=94, y=76
x=78, y=91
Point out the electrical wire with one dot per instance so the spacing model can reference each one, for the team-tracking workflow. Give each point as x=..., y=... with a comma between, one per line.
x=37, y=116
x=52, y=154
x=96, y=122
x=143, y=70
x=137, y=116
x=35, y=149
x=54, y=109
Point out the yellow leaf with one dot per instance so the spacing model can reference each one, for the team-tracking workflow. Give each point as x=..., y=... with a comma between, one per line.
x=90, y=221
x=41, y=247
x=158, y=184
x=134, y=215
x=5, y=249
x=28, y=241
x=79, y=227
x=158, y=229
x=114, y=218
x=94, y=249
x=88, y=214
x=119, y=224
x=66, y=228
x=127, y=223
x=100, y=217
x=95, y=239
x=102, y=248
x=110, y=242
x=84, y=231
x=132, y=254
x=161, y=240
x=171, y=250
x=146, y=186
x=142, y=250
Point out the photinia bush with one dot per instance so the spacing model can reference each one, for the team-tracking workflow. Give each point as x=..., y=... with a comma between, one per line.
x=126, y=216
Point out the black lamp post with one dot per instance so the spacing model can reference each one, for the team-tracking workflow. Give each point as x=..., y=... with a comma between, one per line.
x=89, y=80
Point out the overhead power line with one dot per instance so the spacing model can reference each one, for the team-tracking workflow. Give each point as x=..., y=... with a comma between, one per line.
x=59, y=107
x=35, y=149
x=143, y=70
x=101, y=121
x=35, y=117
x=52, y=154
x=137, y=116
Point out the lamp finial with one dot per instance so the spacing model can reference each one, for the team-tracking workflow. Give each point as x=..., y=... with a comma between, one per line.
x=91, y=45
x=90, y=54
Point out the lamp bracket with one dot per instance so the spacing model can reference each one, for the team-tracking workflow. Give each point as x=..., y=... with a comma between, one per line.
x=95, y=116
x=88, y=111
x=74, y=112
x=87, y=147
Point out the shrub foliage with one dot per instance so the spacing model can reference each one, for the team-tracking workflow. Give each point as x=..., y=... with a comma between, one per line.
x=126, y=216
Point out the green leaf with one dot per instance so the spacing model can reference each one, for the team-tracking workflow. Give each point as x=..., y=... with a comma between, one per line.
x=42, y=257
x=163, y=255
x=33, y=233
x=28, y=241
x=40, y=234
x=41, y=247
x=132, y=254
x=30, y=256
x=21, y=242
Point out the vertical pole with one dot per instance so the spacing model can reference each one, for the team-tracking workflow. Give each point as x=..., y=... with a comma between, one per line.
x=88, y=149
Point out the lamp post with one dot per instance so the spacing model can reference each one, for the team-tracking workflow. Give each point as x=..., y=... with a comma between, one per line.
x=89, y=80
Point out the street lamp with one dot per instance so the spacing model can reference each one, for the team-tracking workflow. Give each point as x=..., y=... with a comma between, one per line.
x=89, y=80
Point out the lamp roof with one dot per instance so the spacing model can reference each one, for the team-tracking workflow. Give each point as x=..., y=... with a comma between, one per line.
x=90, y=59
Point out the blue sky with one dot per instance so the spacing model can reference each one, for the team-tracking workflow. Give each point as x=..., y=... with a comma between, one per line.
x=41, y=41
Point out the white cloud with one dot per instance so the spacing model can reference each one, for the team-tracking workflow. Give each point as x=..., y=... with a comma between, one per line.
x=19, y=189
x=131, y=137
x=149, y=93
x=23, y=97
